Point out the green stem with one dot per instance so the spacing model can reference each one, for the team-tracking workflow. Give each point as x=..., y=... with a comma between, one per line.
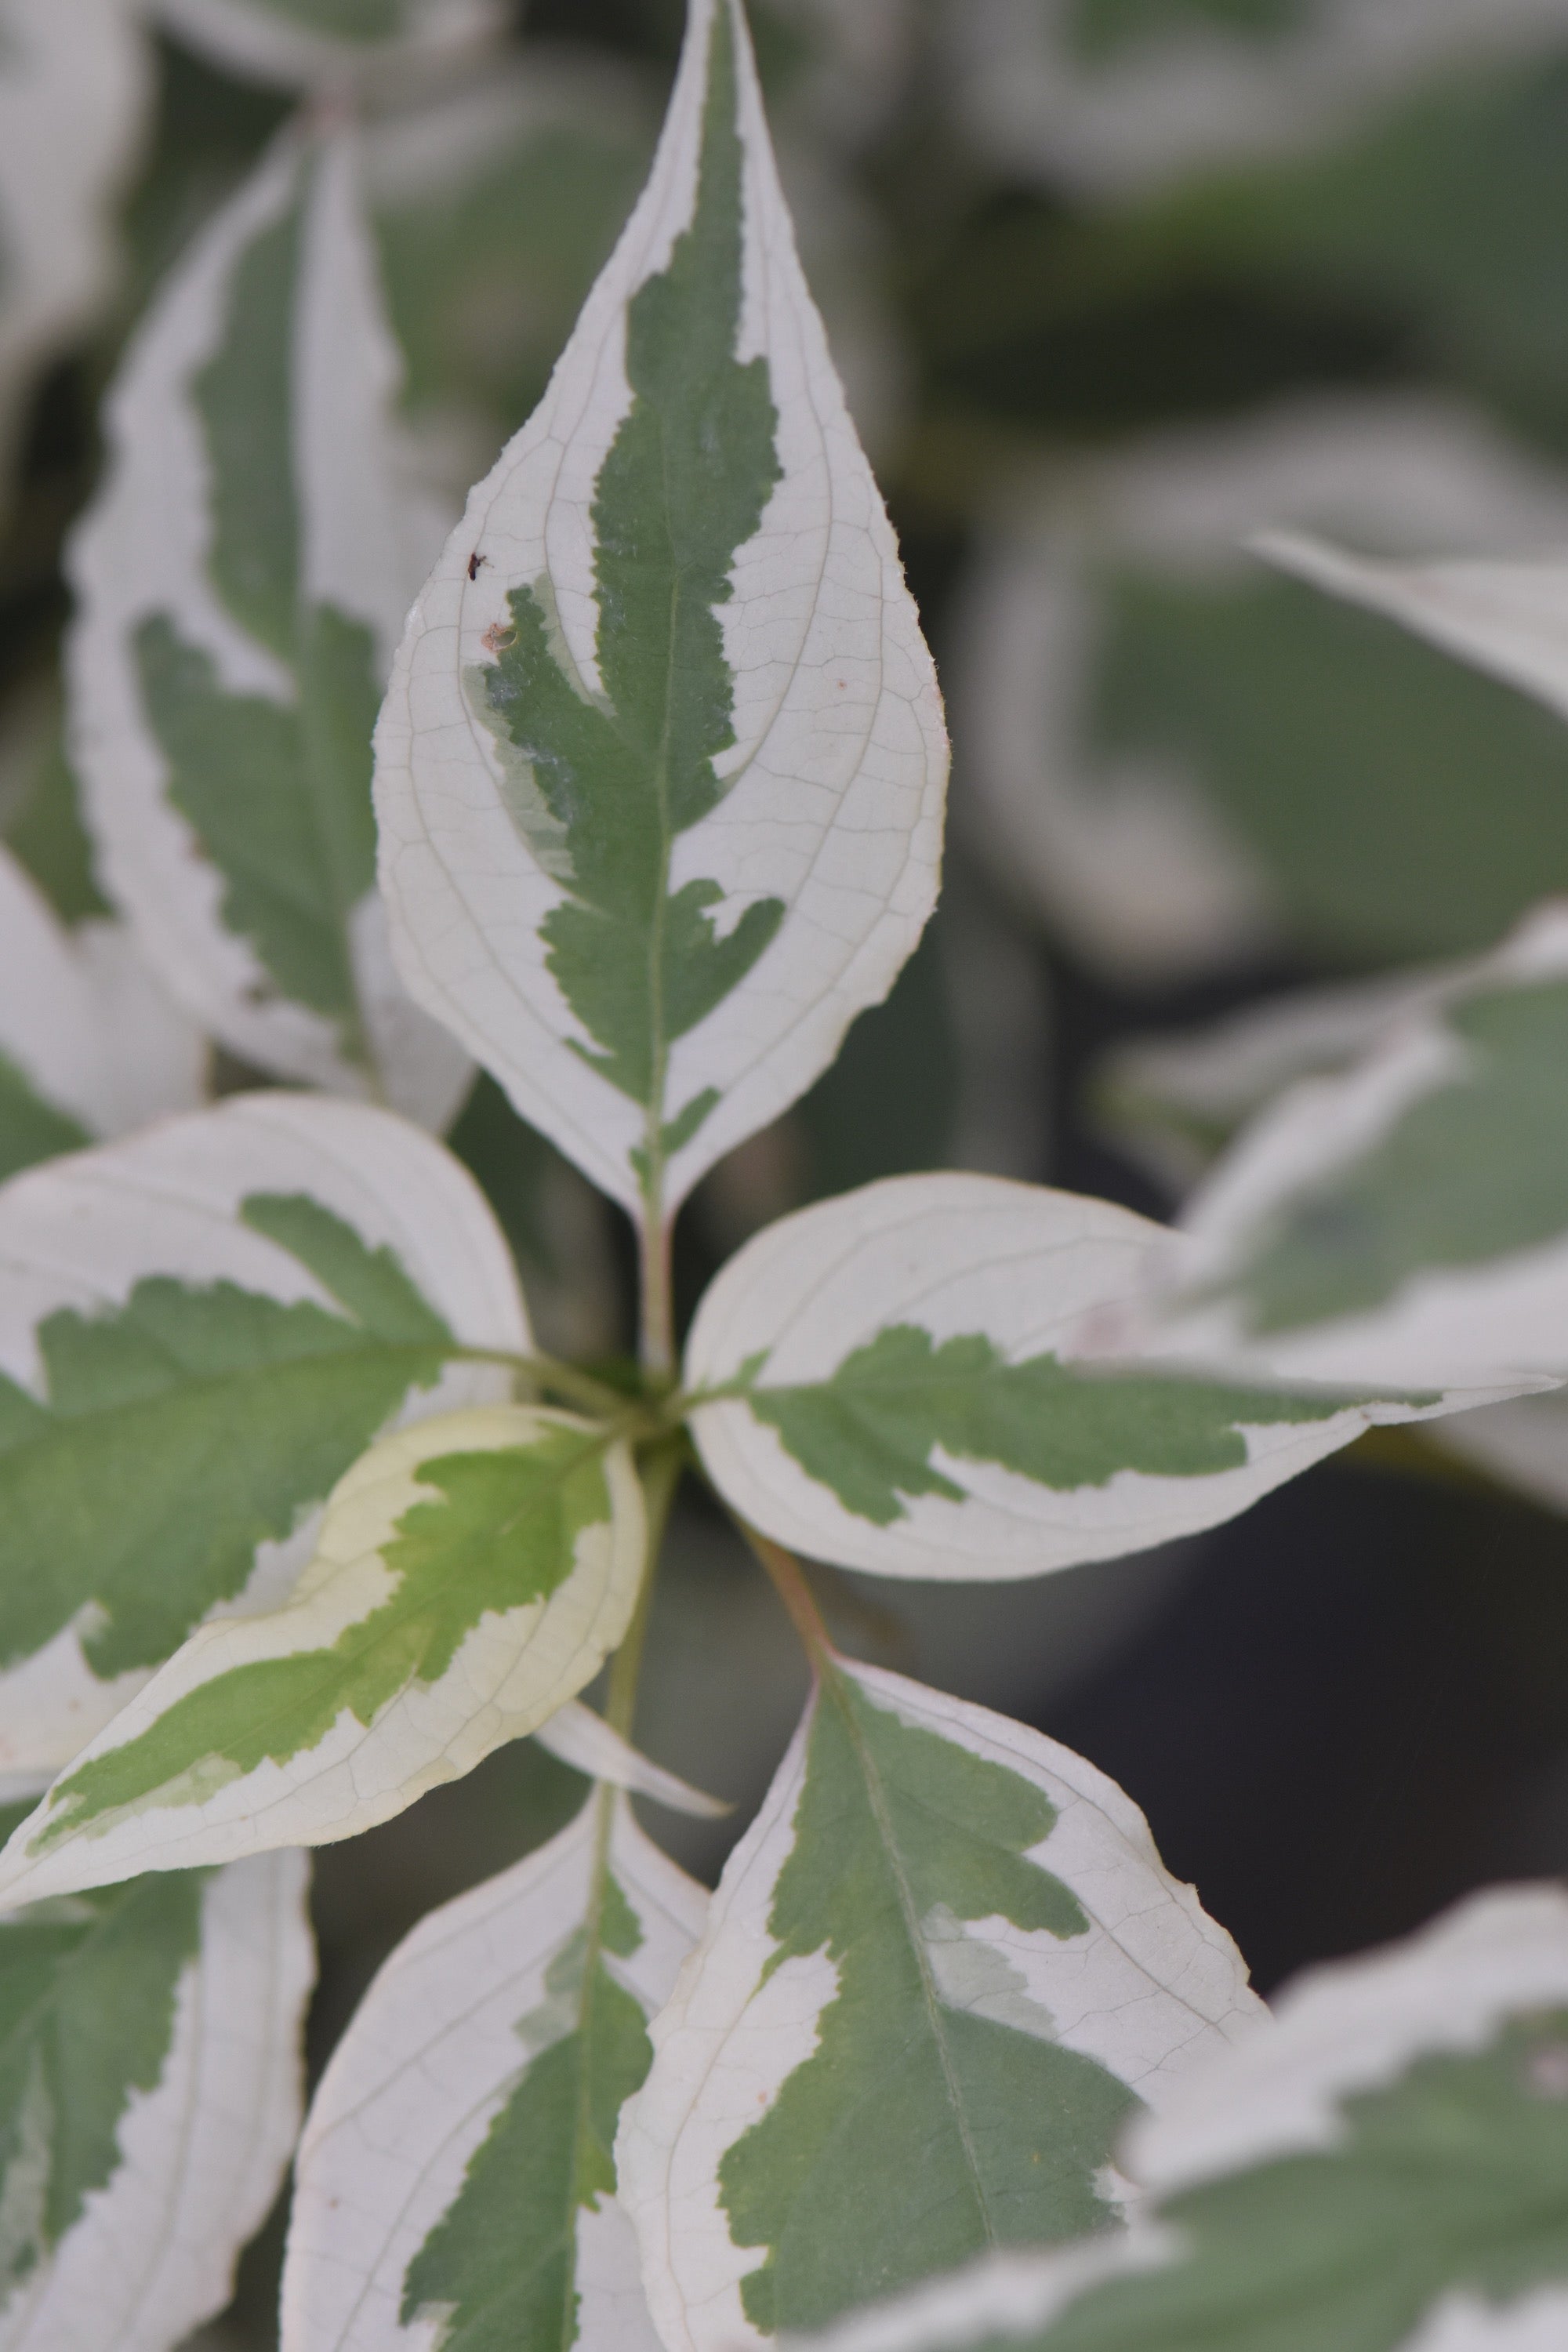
x=788, y=1579
x=563, y=1379
x=661, y=1472
x=657, y=1338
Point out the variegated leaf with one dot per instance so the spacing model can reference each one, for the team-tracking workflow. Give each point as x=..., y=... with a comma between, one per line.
x=241, y=581
x=1168, y=747
x=89, y=1044
x=150, y=2097
x=1387, y=2170
x=329, y=42
x=201, y=1331
x=660, y=772
x=471, y=1575
x=455, y=2184
x=911, y=1378
x=1408, y=1219
x=1508, y=618
x=75, y=90
x=1174, y=1102
x=942, y=1970
x=1125, y=96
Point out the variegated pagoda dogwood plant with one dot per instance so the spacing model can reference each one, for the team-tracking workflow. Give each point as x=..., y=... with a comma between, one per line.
x=298, y=1522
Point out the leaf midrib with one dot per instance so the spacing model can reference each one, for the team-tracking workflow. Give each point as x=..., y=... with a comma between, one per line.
x=876, y=1798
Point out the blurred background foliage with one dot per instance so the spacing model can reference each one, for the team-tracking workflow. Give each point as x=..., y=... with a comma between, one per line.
x=1096, y=338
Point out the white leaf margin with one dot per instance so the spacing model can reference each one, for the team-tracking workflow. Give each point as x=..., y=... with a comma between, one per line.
x=204, y=2151
x=512, y=1671
x=1497, y=1320
x=424, y=2066
x=76, y=93
x=1508, y=618
x=1036, y=1271
x=1158, y=1985
x=1348, y=2027
x=366, y=533
x=83, y=1020
x=854, y=851
x=79, y=1233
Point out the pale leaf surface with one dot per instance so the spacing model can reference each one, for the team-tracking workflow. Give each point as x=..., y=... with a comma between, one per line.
x=457, y=2179
x=470, y=1576
x=1406, y=1219
x=942, y=1970
x=1385, y=2168
x=585, y=1741
x=201, y=1329
x=241, y=581
x=652, y=909
x=918, y=1387
x=150, y=2097
x=76, y=85
x=89, y=1043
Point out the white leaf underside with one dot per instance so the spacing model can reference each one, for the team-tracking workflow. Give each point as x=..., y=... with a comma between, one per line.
x=1034, y=1270
x=510, y=1672
x=1156, y=1988
x=79, y=1233
x=415, y=2081
x=204, y=2151
x=365, y=534
x=836, y=782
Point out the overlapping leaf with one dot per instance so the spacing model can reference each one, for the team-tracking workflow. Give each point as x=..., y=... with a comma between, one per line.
x=470, y=1576
x=1169, y=748
x=74, y=87
x=941, y=1972
x=305, y=42
x=457, y=2178
x=201, y=1329
x=912, y=1380
x=90, y=1046
x=1388, y=2170
x=150, y=2096
x=660, y=772
x=1409, y=1218
x=241, y=581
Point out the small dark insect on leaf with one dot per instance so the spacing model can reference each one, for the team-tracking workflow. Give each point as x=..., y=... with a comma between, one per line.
x=474, y=563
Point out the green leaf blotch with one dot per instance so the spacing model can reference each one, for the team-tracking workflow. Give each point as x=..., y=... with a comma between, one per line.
x=1452, y=2180
x=188, y=1426
x=602, y=787
x=1474, y=1169
x=502, y=1536
x=916, y=2134
x=869, y=1431
x=498, y=2270
x=86, y=2014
